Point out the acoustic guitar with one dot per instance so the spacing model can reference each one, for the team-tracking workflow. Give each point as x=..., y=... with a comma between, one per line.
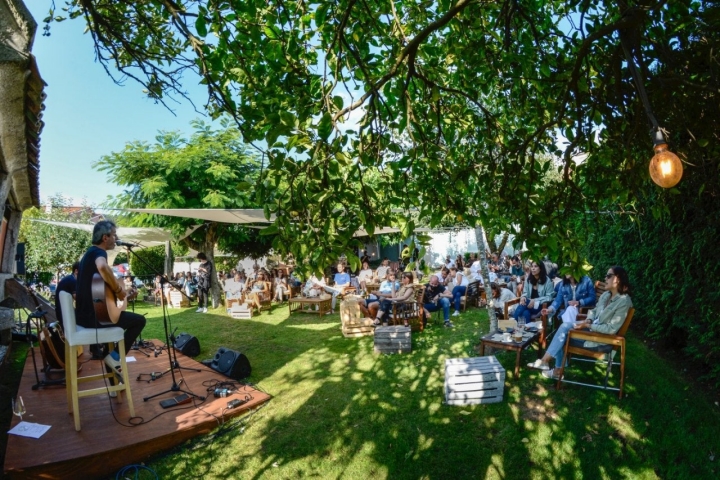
x=107, y=307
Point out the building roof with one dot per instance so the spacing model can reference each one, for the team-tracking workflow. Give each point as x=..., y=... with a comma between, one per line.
x=21, y=104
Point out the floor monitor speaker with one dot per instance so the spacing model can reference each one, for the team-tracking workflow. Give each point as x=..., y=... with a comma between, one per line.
x=231, y=363
x=187, y=345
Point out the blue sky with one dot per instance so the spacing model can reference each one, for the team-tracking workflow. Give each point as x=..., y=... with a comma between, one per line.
x=87, y=115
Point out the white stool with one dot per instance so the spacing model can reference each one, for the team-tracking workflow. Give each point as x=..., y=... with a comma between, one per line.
x=74, y=336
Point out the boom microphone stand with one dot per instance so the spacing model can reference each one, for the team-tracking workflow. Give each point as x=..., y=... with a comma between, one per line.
x=171, y=345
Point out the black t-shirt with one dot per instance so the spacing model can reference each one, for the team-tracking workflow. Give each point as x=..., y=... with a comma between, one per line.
x=431, y=292
x=85, y=310
x=67, y=284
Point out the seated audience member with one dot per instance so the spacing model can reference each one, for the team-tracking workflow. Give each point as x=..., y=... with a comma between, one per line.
x=449, y=263
x=437, y=297
x=314, y=287
x=387, y=290
x=365, y=276
x=382, y=270
x=459, y=264
x=570, y=292
x=342, y=280
x=235, y=289
x=516, y=271
x=499, y=297
x=538, y=289
x=494, y=263
x=281, y=287
x=607, y=317
x=403, y=294
x=67, y=284
x=460, y=288
x=444, y=276
x=259, y=291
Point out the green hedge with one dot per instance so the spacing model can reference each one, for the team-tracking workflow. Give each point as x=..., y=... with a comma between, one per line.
x=671, y=254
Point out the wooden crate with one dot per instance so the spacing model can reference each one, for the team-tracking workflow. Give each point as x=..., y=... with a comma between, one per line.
x=178, y=300
x=240, y=311
x=470, y=381
x=395, y=339
x=361, y=328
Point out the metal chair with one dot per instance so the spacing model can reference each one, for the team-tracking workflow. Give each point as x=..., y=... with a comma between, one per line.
x=610, y=344
x=76, y=335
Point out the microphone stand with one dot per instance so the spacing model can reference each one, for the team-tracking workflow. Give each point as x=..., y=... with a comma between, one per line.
x=171, y=346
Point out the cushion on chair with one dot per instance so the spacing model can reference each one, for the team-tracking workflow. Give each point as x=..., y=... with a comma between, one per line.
x=77, y=335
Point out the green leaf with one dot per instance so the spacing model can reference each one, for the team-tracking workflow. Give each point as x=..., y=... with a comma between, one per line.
x=271, y=230
x=325, y=126
x=200, y=26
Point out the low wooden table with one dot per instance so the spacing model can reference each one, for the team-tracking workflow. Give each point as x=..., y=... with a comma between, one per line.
x=495, y=340
x=307, y=305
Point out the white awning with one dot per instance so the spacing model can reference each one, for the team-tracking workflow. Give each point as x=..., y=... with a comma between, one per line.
x=222, y=215
x=146, y=236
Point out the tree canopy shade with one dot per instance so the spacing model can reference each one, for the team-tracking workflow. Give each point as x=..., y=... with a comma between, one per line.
x=448, y=106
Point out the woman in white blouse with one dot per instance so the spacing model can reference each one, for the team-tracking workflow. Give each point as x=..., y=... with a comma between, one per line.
x=365, y=275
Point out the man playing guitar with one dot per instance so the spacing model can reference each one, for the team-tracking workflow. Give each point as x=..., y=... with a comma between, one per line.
x=95, y=262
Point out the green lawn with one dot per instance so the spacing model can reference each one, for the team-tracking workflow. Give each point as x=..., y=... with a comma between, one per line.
x=341, y=411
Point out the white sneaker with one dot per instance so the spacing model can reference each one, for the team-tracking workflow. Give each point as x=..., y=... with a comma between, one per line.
x=199, y=310
x=204, y=310
x=456, y=313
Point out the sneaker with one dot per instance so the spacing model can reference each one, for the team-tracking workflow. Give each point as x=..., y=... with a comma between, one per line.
x=204, y=310
x=456, y=313
x=199, y=310
x=112, y=360
x=448, y=324
x=552, y=374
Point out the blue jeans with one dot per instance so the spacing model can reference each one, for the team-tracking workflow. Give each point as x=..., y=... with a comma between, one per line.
x=458, y=292
x=557, y=346
x=526, y=313
x=443, y=303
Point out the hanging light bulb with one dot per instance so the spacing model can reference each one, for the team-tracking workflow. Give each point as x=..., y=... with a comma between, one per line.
x=665, y=167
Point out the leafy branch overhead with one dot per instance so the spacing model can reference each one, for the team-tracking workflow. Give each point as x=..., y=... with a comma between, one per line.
x=363, y=107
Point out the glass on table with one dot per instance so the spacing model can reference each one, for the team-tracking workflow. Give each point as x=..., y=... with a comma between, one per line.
x=18, y=407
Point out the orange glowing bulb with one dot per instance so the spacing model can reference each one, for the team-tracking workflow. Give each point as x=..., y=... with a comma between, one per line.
x=665, y=167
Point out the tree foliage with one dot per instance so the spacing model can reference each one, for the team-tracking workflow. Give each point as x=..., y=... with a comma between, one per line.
x=211, y=169
x=153, y=262
x=451, y=103
x=50, y=248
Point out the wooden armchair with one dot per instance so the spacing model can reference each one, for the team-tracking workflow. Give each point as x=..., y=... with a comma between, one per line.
x=261, y=300
x=610, y=343
x=472, y=295
x=410, y=310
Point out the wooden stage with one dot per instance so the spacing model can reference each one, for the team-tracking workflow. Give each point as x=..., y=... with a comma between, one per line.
x=103, y=446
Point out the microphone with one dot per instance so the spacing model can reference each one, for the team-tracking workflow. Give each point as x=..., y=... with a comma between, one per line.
x=120, y=243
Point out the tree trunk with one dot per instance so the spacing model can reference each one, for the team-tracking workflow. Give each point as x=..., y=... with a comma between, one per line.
x=482, y=246
x=503, y=242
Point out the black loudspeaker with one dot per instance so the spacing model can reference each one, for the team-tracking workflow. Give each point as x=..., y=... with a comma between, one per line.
x=20, y=259
x=231, y=363
x=187, y=345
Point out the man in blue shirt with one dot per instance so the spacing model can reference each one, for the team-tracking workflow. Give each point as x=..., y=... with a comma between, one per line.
x=342, y=279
